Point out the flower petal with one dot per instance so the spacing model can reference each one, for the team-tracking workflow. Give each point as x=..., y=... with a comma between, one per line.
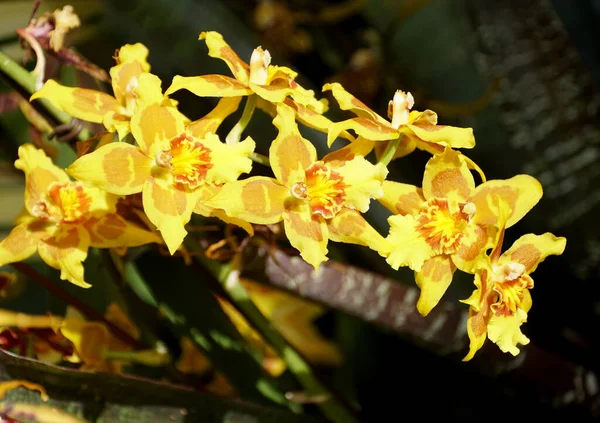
x=118, y=167
x=363, y=181
x=82, y=103
x=479, y=313
x=426, y=129
x=214, y=119
x=40, y=173
x=348, y=102
x=257, y=200
x=366, y=128
x=505, y=331
x=308, y=117
x=476, y=240
x=209, y=86
x=409, y=248
x=228, y=161
x=521, y=192
x=448, y=176
x=401, y=198
x=359, y=147
x=218, y=48
x=132, y=62
x=169, y=208
x=530, y=250
x=206, y=192
x=307, y=233
x=433, y=279
x=350, y=227
x=66, y=250
x=289, y=154
x=112, y=231
x=21, y=243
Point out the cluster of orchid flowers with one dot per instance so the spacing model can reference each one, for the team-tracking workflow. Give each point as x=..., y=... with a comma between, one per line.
x=182, y=167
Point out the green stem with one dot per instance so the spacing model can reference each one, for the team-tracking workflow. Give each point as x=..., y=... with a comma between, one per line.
x=390, y=151
x=26, y=80
x=228, y=277
x=260, y=159
x=235, y=134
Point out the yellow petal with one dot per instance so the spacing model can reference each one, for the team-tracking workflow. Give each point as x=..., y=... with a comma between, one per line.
x=409, y=248
x=289, y=154
x=505, y=331
x=307, y=233
x=434, y=278
x=257, y=200
x=90, y=339
x=275, y=93
x=521, y=192
x=228, y=161
x=205, y=193
x=348, y=102
x=66, y=250
x=21, y=243
x=112, y=231
x=82, y=103
x=40, y=173
x=477, y=239
x=530, y=250
x=119, y=123
x=401, y=198
x=131, y=63
x=169, y=208
x=218, y=48
x=308, y=117
x=366, y=128
x=448, y=176
x=363, y=181
x=214, y=119
x=118, y=167
x=449, y=136
x=479, y=314
x=350, y=227
x=152, y=125
x=209, y=86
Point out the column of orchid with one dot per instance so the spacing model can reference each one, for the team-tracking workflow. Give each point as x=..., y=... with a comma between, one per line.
x=182, y=167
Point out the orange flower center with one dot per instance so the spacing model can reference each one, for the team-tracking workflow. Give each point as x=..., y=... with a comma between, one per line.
x=187, y=158
x=510, y=283
x=323, y=188
x=442, y=230
x=66, y=203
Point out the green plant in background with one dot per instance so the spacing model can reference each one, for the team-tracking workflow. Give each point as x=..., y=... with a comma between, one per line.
x=153, y=176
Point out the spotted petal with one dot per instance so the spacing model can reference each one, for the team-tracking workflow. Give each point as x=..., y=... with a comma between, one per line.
x=448, y=176
x=169, y=208
x=82, y=103
x=480, y=313
x=218, y=48
x=257, y=200
x=40, y=173
x=112, y=231
x=350, y=227
x=228, y=161
x=401, y=198
x=21, y=243
x=214, y=119
x=66, y=250
x=118, y=167
x=131, y=63
x=363, y=181
x=521, y=192
x=289, y=154
x=434, y=278
x=209, y=86
x=475, y=242
x=307, y=233
x=530, y=250
x=409, y=248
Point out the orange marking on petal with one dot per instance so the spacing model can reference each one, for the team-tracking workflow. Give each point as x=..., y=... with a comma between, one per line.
x=157, y=121
x=441, y=229
x=449, y=180
x=112, y=227
x=291, y=154
x=255, y=193
x=507, y=193
x=352, y=224
x=188, y=159
x=510, y=295
x=469, y=252
x=527, y=254
x=72, y=201
x=325, y=189
x=410, y=202
x=310, y=229
x=90, y=101
x=168, y=201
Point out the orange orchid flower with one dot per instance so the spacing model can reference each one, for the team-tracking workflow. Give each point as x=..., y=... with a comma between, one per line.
x=271, y=83
x=415, y=129
x=63, y=218
x=499, y=305
x=176, y=165
x=96, y=106
x=448, y=223
x=317, y=200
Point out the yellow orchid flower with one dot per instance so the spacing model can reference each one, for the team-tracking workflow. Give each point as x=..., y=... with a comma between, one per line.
x=315, y=199
x=64, y=218
x=448, y=223
x=96, y=106
x=416, y=129
x=501, y=300
x=269, y=82
x=175, y=166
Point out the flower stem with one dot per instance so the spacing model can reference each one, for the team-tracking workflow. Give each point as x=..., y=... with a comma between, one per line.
x=26, y=81
x=390, y=151
x=260, y=159
x=235, y=134
x=228, y=277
